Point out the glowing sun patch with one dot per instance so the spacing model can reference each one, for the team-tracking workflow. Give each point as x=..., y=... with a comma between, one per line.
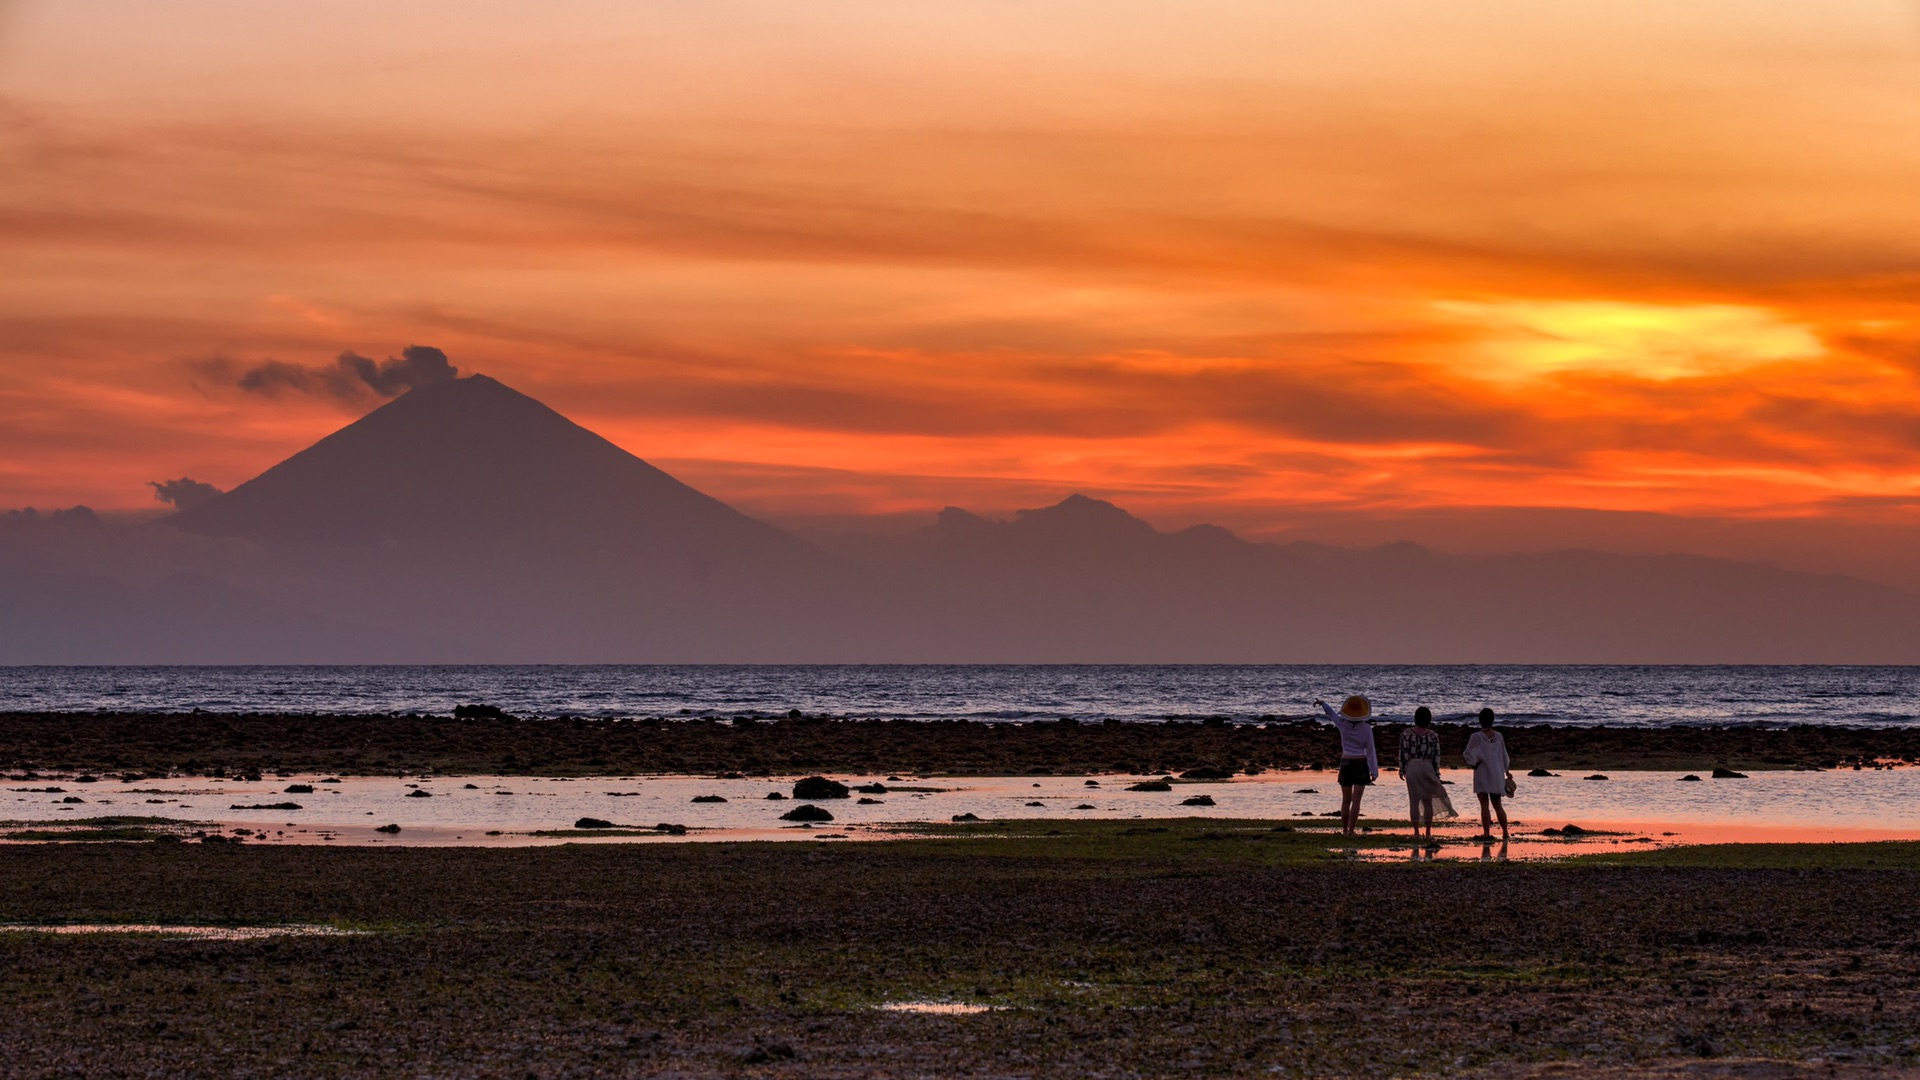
x=1649, y=341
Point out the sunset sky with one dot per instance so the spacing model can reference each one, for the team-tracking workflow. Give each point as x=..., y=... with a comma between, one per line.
x=1213, y=260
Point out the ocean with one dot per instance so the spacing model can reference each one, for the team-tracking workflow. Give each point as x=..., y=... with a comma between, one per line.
x=1524, y=694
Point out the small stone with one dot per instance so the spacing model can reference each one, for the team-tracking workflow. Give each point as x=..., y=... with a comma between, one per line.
x=966, y=817
x=416, y=793
x=593, y=823
x=872, y=789
x=1728, y=774
x=807, y=813
x=709, y=798
x=1207, y=772
x=1150, y=785
x=1598, y=776
x=388, y=829
x=1540, y=772
x=869, y=802
x=1197, y=800
x=1690, y=778
x=299, y=789
x=776, y=796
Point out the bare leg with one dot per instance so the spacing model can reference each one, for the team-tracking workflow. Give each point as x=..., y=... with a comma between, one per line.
x=1486, y=816
x=1413, y=813
x=1346, y=809
x=1499, y=807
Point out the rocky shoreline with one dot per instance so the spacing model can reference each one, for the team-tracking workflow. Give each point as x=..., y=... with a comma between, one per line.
x=488, y=741
x=1113, y=949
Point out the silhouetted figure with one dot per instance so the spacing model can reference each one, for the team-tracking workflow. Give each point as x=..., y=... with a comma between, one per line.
x=1420, y=768
x=1359, y=762
x=1492, y=772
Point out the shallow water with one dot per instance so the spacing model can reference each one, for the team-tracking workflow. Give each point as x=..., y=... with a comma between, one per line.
x=1865, y=804
x=1615, y=695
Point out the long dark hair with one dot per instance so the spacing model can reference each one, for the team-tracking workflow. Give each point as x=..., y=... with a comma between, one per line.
x=1422, y=716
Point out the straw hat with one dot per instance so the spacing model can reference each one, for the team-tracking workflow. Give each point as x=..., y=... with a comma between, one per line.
x=1356, y=707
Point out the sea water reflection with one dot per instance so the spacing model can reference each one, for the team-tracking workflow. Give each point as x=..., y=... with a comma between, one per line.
x=1883, y=803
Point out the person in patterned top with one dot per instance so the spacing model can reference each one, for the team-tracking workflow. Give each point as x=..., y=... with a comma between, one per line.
x=1420, y=768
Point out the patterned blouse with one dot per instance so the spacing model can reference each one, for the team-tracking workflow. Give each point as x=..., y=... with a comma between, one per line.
x=1415, y=744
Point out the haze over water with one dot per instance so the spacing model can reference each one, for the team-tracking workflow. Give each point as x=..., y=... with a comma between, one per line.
x=1578, y=695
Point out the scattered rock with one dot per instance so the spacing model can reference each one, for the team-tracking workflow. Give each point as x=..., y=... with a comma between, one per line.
x=1728, y=774
x=807, y=813
x=331, y=780
x=1093, y=783
x=416, y=793
x=1086, y=806
x=669, y=828
x=267, y=806
x=480, y=712
x=1036, y=804
x=299, y=789
x=966, y=817
x=1540, y=772
x=1150, y=785
x=872, y=789
x=776, y=796
x=819, y=787
x=1690, y=777
x=73, y=799
x=1572, y=830
x=1197, y=800
x=388, y=829
x=1598, y=776
x=593, y=823
x=1207, y=772
x=1306, y=791
x=709, y=798
x=467, y=787
x=869, y=802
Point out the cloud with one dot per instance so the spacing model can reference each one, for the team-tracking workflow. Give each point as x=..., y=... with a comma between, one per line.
x=351, y=376
x=184, y=493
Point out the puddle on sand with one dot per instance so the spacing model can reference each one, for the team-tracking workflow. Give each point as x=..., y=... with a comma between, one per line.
x=936, y=1008
x=191, y=933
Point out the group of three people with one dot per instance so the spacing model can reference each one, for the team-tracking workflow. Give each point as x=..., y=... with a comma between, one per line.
x=1486, y=752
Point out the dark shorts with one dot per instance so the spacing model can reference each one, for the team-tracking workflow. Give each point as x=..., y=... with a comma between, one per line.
x=1353, y=772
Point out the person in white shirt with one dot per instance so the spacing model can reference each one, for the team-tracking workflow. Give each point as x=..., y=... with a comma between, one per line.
x=1359, y=762
x=1492, y=769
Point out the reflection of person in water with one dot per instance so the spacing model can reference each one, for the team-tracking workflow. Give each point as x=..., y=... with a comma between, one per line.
x=1359, y=762
x=1487, y=753
x=1420, y=768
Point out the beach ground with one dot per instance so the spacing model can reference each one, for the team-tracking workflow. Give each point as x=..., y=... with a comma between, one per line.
x=1101, y=949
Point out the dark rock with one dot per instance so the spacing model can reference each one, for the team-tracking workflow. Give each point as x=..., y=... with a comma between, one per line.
x=1093, y=783
x=1691, y=777
x=819, y=787
x=807, y=813
x=1197, y=800
x=86, y=779
x=1207, y=772
x=73, y=799
x=966, y=817
x=1306, y=791
x=1572, y=830
x=1728, y=774
x=709, y=798
x=593, y=823
x=870, y=802
x=268, y=806
x=1086, y=806
x=303, y=789
x=466, y=787
x=1598, y=776
x=776, y=796
x=1036, y=804
x=480, y=712
x=388, y=829
x=331, y=780
x=1540, y=772
x=1150, y=785
x=872, y=789
x=670, y=829
x=416, y=793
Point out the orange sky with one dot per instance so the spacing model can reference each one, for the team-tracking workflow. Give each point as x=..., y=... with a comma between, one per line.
x=1216, y=261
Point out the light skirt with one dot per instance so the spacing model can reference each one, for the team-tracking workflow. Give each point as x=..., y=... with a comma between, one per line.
x=1423, y=782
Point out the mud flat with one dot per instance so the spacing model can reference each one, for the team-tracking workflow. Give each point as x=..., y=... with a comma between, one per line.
x=1054, y=948
x=213, y=744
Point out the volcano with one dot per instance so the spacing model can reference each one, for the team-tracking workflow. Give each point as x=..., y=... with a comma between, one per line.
x=465, y=510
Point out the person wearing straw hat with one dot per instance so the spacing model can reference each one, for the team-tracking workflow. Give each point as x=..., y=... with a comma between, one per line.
x=1359, y=762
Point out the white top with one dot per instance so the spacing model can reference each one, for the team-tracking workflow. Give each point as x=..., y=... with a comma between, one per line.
x=1356, y=739
x=1487, y=752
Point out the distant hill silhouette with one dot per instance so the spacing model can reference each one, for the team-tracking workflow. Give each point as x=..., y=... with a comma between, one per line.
x=466, y=522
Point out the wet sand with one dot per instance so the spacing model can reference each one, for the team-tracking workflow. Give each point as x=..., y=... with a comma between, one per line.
x=1183, y=948
x=209, y=744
